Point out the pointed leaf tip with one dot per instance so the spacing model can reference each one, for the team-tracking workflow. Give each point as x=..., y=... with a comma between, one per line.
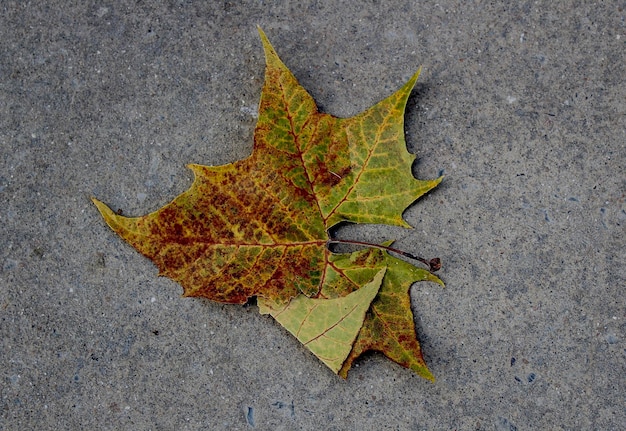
x=106, y=212
x=262, y=34
x=415, y=77
x=271, y=56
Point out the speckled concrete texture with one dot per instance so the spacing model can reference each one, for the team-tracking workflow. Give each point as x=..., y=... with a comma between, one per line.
x=522, y=107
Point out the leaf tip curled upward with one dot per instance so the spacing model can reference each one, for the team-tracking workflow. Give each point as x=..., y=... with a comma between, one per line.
x=97, y=202
x=106, y=212
x=414, y=78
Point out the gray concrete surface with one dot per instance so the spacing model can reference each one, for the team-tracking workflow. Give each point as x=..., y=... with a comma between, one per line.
x=521, y=106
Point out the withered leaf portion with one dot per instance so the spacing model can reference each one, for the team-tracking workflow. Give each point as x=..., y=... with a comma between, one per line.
x=259, y=226
x=239, y=231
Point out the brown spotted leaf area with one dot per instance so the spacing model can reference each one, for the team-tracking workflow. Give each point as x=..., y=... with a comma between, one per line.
x=259, y=227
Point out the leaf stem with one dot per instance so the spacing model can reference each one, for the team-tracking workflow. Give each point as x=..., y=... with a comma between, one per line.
x=434, y=264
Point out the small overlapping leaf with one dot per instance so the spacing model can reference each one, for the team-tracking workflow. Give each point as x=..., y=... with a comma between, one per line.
x=259, y=226
x=389, y=327
x=327, y=327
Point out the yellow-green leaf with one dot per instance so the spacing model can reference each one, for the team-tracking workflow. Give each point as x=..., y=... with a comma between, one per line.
x=327, y=327
x=259, y=227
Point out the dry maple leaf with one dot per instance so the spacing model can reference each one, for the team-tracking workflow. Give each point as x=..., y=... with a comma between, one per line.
x=259, y=226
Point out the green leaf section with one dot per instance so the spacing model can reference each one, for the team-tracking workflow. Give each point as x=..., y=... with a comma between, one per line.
x=376, y=188
x=389, y=326
x=359, y=167
x=327, y=327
